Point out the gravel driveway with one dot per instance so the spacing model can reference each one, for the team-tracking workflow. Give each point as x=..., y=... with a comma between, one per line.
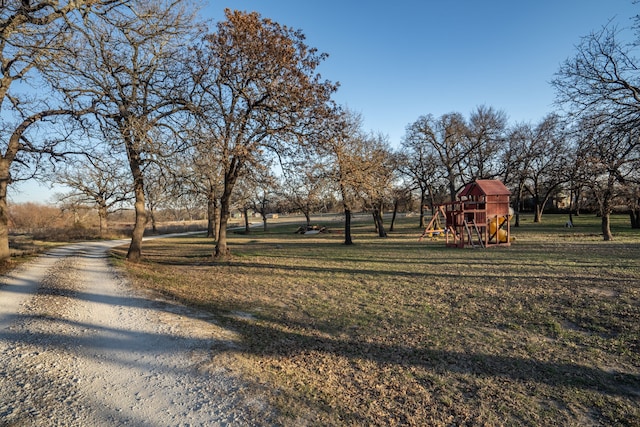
x=78, y=347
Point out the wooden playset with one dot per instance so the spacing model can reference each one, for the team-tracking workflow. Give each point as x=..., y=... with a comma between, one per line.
x=479, y=218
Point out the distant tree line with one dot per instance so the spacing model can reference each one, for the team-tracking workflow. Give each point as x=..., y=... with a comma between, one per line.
x=140, y=103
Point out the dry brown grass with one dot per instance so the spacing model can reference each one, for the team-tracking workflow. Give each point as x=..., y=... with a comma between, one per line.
x=396, y=332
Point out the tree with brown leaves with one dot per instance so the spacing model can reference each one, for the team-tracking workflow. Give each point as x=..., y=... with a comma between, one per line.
x=358, y=164
x=261, y=95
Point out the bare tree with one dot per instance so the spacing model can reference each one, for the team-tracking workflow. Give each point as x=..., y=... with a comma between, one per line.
x=33, y=35
x=445, y=141
x=98, y=181
x=602, y=77
x=612, y=159
x=346, y=162
x=600, y=88
x=157, y=191
x=302, y=185
x=451, y=149
x=263, y=193
x=420, y=165
x=547, y=156
x=401, y=196
x=632, y=199
x=205, y=177
x=260, y=94
x=485, y=143
x=517, y=159
x=380, y=164
x=129, y=64
x=243, y=200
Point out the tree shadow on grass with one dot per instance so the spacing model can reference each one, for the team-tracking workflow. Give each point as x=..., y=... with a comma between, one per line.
x=263, y=340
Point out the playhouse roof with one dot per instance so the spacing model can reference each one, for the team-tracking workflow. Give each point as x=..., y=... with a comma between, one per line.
x=487, y=187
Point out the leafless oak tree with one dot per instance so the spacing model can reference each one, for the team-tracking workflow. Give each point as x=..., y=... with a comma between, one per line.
x=204, y=176
x=485, y=141
x=420, y=165
x=33, y=35
x=547, y=166
x=517, y=158
x=444, y=138
x=611, y=159
x=600, y=89
x=262, y=187
x=302, y=186
x=129, y=64
x=97, y=181
x=380, y=166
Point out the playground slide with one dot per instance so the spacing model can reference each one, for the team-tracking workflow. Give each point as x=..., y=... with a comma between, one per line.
x=502, y=234
x=496, y=223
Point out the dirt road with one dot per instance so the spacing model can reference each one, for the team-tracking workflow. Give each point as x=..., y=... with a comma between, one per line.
x=78, y=347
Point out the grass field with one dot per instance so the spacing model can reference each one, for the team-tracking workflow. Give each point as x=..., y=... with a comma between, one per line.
x=399, y=332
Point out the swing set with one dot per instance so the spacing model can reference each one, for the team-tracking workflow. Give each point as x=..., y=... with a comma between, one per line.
x=479, y=218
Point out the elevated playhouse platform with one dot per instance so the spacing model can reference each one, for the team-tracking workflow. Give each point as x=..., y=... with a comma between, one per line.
x=479, y=218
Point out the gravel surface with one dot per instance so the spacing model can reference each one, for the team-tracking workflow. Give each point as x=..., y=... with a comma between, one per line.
x=78, y=347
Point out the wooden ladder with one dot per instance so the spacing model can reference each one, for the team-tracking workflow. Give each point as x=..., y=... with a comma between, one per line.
x=477, y=230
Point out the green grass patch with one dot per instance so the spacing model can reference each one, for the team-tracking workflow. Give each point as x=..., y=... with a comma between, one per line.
x=395, y=331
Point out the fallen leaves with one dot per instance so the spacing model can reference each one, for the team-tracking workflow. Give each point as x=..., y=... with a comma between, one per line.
x=406, y=333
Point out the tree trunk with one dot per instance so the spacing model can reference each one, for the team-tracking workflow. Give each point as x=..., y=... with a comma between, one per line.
x=634, y=216
x=576, y=204
x=151, y=216
x=395, y=212
x=347, y=227
x=538, y=213
x=217, y=223
x=432, y=202
x=102, y=215
x=571, y=206
x=221, y=250
x=452, y=187
x=135, y=248
x=264, y=222
x=423, y=221
x=211, y=217
x=379, y=223
x=13, y=147
x=606, y=227
x=247, y=227
x=518, y=205
x=307, y=216
x=5, y=253
x=135, y=164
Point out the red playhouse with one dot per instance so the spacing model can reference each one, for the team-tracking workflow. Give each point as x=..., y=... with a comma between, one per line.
x=480, y=217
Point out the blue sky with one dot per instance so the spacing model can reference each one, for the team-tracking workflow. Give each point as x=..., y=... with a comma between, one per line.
x=402, y=59
x=399, y=60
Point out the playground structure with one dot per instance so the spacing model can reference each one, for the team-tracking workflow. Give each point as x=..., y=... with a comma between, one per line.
x=479, y=218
